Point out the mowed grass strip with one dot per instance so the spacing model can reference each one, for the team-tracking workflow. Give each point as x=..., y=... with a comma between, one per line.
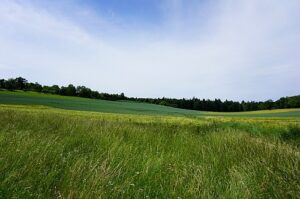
x=50, y=153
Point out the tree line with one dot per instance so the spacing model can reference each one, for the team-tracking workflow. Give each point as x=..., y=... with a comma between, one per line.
x=224, y=106
x=21, y=83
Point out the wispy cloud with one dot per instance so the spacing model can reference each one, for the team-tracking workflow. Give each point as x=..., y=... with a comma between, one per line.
x=229, y=49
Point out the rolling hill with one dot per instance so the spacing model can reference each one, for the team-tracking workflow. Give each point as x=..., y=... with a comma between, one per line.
x=84, y=104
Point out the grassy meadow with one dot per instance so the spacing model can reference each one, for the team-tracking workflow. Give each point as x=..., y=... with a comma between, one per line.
x=152, y=152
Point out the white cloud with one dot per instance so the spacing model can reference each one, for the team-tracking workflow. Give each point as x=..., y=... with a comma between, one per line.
x=234, y=49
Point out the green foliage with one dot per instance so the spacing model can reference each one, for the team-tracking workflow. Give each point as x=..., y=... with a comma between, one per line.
x=51, y=89
x=82, y=91
x=70, y=90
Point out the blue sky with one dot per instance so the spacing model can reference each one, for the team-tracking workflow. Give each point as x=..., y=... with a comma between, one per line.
x=229, y=49
x=133, y=10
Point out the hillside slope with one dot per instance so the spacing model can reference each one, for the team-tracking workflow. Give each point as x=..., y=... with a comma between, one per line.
x=84, y=104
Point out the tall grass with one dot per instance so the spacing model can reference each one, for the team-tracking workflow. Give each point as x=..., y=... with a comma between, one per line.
x=48, y=153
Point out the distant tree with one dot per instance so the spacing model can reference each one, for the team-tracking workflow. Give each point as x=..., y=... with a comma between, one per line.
x=196, y=105
x=54, y=89
x=20, y=83
x=46, y=89
x=268, y=104
x=122, y=96
x=293, y=102
x=63, y=90
x=37, y=87
x=29, y=87
x=83, y=91
x=2, y=83
x=51, y=89
x=94, y=94
x=10, y=84
x=71, y=90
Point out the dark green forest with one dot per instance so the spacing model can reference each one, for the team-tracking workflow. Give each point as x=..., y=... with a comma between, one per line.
x=21, y=83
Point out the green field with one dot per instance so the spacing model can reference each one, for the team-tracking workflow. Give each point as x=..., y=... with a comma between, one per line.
x=84, y=104
x=136, y=150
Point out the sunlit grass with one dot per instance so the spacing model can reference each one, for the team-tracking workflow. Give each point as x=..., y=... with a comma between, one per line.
x=50, y=153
